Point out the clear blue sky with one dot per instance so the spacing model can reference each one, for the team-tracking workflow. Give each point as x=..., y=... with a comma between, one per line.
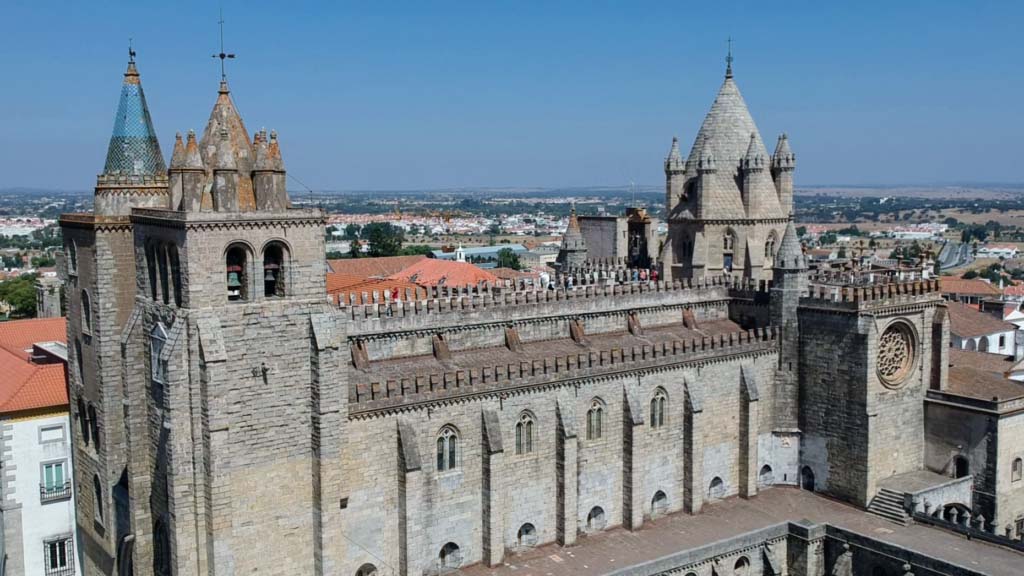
x=395, y=95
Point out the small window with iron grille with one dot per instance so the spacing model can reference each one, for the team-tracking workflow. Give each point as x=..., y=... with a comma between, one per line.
x=59, y=559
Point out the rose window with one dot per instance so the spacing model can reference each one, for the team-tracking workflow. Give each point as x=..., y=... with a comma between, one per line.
x=895, y=354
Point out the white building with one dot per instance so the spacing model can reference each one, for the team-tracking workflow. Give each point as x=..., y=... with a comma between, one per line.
x=37, y=504
x=972, y=330
x=1005, y=251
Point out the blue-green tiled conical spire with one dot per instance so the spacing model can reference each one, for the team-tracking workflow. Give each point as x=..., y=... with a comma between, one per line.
x=134, y=149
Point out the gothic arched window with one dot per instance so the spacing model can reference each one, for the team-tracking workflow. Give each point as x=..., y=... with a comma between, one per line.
x=86, y=313
x=158, y=365
x=94, y=427
x=172, y=253
x=769, y=248
x=595, y=416
x=524, y=434
x=447, y=449
x=72, y=257
x=658, y=408
x=1017, y=470
x=275, y=257
x=237, y=271
x=151, y=270
x=165, y=285
x=97, y=499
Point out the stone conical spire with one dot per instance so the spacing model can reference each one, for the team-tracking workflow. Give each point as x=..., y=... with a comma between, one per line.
x=225, y=116
x=674, y=161
x=783, y=158
x=193, y=159
x=791, y=254
x=178, y=154
x=134, y=149
x=753, y=159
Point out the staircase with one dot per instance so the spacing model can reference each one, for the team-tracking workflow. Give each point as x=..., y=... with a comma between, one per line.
x=889, y=505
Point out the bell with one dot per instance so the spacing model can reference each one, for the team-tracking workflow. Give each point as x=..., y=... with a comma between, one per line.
x=233, y=280
x=268, y=275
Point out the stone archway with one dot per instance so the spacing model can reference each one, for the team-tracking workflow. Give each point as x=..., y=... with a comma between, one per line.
x=807, y=478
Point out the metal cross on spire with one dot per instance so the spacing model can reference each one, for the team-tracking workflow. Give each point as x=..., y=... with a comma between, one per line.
x=728, y=60
x=222, y=55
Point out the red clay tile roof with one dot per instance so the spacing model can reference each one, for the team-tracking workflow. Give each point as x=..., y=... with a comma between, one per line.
x=340, y=282
x=18, y=336
x=967, y=322
x=432, y=272
x=982, y=384
x=381, y=285
x=28, y=386
x=373, y=267
x=974, y=286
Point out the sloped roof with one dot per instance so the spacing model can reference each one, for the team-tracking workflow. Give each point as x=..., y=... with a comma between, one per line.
x=225, y=116
x=974, y=286
x=434, y=272
x=982, y=376
x=369, y=286
x=18, y=336
x=966, y=322
x=28, y=386
x=381, y=267
x=726, y=130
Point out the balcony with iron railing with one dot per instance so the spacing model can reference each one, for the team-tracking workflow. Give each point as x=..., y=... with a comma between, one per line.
x=55, y=492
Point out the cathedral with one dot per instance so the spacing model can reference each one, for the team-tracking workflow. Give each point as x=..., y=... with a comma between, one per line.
x=741, y=415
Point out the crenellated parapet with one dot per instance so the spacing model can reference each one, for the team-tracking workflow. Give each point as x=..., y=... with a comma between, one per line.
x=883, y=293
x=443, y=306
x=373, y=396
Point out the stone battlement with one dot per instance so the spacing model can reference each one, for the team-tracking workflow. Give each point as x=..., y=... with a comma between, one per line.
x=884, y=292
x=441, y=305
x=422, y=388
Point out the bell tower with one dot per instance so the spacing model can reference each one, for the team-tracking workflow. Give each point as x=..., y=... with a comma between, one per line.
x=223, y=357
x=99, y=276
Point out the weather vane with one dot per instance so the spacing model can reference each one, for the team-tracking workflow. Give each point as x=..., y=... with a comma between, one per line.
x=131, y=52
x=728, y=60
x=222, y=55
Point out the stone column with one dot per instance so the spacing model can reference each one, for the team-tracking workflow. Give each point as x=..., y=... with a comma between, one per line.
x=329, y=396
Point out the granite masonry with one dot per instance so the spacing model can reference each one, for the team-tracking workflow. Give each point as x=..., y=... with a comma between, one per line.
x=230, y=420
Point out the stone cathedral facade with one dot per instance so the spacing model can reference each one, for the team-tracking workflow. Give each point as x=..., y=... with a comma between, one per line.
x=230, y=420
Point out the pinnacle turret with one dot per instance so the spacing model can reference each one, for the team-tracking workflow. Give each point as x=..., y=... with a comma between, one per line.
x=674, y=160
x=783, y=158
x=706, y=161
x=193, y=159
x=791, y=254
x=753, y=160
x=178, y=154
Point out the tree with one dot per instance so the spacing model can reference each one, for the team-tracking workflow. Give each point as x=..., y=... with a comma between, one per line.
x=20, y=293
x=508, y=259
x=970, y=275
x=351, y=232
x=385, y=238
x=355, y=250
x=842, y=252
x=43, y=261
x=801, y=231
x=416, y=250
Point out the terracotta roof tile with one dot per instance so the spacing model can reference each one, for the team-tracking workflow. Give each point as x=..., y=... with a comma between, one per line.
x=373, y=267
x=967, y=322
x=974, y=286
x=370, y=286
x=432, y=272
x=28, y=386
x=982, y=384
x=18, y=336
